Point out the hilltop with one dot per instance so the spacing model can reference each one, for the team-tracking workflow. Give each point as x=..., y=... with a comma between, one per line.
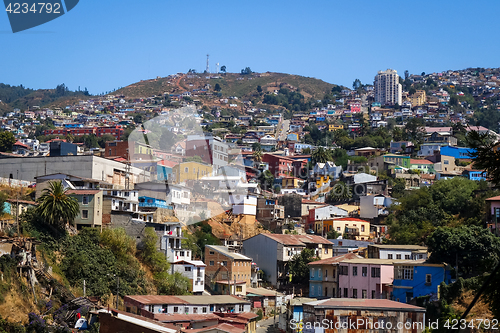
x=232, y=84
x=12, y=97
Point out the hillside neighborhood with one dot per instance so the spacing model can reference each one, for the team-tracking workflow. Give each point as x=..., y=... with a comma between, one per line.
x=240, y=202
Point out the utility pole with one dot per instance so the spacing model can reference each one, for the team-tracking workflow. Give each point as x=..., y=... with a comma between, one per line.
x=275, y=304
x=84, y=294
x=117, y=288
x=17, y=207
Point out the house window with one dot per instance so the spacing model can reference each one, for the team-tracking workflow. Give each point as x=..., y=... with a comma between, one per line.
x=326, y=273
x=373, y=294
x=326, y=249
x=211, y=308
x=187, y=269
x=312, y=272
x=389, y=256
x=354, y=270
x=85, y=200
x=428, y=279
x=312, y=290
x=186, y=310
x=404, y=272
x=362, y=228
x=375, y=271
x=224, y=263
x=344, y=270
x=176, y=309
x=240, y=307
x=398, y=256
x=364, y=271
x=355, y=293
x=338, y=228
x=211, y=262
x=195, y=310
x=364, y=293
x=204, y=309
x=239, y=289
x=407, y=256
x=151, y=308
x=212, y=252
x=186, y=169
x=326, y=291
x=85, y=214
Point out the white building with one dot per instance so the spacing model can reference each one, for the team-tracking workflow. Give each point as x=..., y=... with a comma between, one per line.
x=243, y=204
x=388, y=90
x=373, y=206
x=123, y=200
x=407, y=252
x=194, y=270
x=171, y=243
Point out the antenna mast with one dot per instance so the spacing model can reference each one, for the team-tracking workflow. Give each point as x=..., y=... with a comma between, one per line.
x=208, y=68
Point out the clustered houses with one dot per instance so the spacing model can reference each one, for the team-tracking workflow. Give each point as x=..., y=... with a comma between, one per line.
x=261, y=173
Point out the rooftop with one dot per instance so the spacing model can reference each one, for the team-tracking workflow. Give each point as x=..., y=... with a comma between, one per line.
x=364, y=304
x=225, y=251
x=298, y=239
x=335, y=260
x=404, y=247
x=189, y=299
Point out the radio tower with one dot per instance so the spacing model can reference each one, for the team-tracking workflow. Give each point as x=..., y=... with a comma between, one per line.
x=208, y=68
x=217, y=68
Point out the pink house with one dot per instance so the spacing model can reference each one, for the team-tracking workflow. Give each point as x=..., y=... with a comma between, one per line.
x=366, y=278
x=495, y=205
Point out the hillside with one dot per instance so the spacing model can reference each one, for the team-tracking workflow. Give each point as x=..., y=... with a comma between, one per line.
x=232, y=84
x=12, y=97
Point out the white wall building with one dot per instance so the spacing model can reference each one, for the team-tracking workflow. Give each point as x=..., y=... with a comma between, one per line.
x=194, y=270
x=388, y=90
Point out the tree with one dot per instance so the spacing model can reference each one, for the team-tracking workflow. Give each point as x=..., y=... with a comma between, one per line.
x=55, y=206
x=298, y=266
x=473, y=249
x=484, y=154
x=422, y=74
x=321, y=155
x=256, y=146
x=246, y=71
x=138, y=118
x=257, y=155
x=217, y=87
x=266, y=180
x=356, y=84
x=7, y=140
x=333, y=234
x=223, y=69
x=340, y=193
x=259, y=89
x=414, y=130
x=196, y=158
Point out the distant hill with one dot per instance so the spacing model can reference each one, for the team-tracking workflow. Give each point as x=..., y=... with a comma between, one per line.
x=232, y=84
x=12, y=97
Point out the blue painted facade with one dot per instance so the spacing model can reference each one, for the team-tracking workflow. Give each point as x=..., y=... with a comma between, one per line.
x=315, y=282
x=320, y=118
x=413, y=280
x=456, y=152
x=163, y=172
x=153, y=202
x=476, y=175
x=73, y=125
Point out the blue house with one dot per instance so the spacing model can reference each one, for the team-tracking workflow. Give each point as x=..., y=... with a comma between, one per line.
x=315, y=281
x=153, y=203
x=475, y=174
x=417, y=278
x=163, y=172
x=456, y=152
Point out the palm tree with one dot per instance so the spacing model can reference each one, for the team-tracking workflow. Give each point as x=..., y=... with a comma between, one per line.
x=257, y=156
x=55, y=206
x=321, y=155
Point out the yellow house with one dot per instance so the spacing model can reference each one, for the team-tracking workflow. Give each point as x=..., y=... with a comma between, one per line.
x=357, y=228
x=322, y=180
x=418, y=98
x=191, y=171
x=141, y=148
x=291, y=182
x=334, y=127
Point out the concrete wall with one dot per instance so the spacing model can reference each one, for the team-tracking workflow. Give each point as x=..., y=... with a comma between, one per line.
x=87, y=166
x=264, y=252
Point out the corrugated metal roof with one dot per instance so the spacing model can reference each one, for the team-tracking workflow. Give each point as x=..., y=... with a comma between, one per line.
x=335, y=260
x=365, y=304
x=403, y=247
x=298, y=239
x=225, y=251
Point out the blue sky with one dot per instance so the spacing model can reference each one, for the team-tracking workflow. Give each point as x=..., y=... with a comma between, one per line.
x=103, y=45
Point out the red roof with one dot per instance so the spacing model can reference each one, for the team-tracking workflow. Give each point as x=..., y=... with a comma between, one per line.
x=176, y=317
x=352, y=219
x=168, y=163
x=19, y=143
x=497, y=198
x=298, y=239
x=418, y=161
